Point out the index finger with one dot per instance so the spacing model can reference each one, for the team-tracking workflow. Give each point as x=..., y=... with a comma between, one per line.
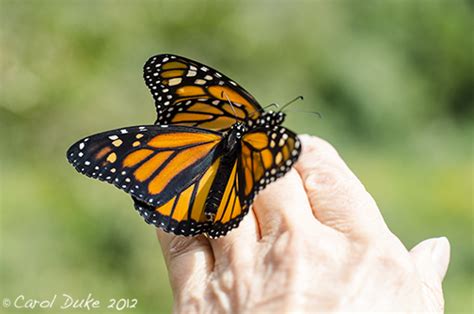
x=337, y=197
x=189, y=259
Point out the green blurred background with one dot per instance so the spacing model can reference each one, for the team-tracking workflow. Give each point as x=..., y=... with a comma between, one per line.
x=393, y=81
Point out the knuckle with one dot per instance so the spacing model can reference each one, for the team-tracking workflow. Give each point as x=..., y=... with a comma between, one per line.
x=179, y=245
x=292, y=245
x=297, y=242
x=315, y=144
x=226, y=280
x=284, y=245
x=392, y=259
x=326, y=179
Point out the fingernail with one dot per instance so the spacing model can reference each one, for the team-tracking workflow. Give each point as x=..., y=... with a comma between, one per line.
x=440, y=255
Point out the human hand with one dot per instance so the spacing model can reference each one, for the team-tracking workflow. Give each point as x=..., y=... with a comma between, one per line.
x=315, y=241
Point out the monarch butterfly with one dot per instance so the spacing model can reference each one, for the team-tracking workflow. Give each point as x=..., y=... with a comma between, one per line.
x=211, y=150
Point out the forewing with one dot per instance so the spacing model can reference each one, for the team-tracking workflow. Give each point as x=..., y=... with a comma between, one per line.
x=153, y=163
x=189, y=93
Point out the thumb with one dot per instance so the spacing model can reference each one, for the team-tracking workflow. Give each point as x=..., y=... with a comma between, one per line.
x=432, y=259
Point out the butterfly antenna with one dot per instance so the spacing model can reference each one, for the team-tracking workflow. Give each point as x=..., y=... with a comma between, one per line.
x=231, y=106
x=291, y=101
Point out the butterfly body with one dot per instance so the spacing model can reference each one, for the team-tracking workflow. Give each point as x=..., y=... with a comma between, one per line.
x=231, y=153
x=211, y=150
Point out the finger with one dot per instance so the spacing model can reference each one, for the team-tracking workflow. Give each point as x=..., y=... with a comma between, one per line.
x=432, y=257
x=189, y=260
x=337, y=197
x=283, y=205
x=239, y=245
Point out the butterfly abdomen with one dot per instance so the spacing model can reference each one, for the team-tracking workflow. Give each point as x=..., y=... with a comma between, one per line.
x=218, y=186
x=231, y=152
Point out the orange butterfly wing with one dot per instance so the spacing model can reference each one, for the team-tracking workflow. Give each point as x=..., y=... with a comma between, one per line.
x=152, y=163
x=184, y=214
x=189, y=93
x=266, y=155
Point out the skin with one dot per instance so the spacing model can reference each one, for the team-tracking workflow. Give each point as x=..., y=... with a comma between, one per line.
x=314, y=241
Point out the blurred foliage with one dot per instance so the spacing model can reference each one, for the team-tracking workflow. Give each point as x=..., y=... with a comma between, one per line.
x=393, y=81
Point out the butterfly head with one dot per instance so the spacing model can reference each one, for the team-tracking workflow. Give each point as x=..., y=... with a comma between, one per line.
x=238, y=130
x=235, y=134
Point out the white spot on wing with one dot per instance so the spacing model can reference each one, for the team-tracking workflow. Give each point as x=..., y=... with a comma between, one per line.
x=174, y=81
x=200, y=82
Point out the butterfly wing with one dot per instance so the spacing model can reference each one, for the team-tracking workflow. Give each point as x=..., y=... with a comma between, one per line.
x=189, y=93
x=267, y=154
x=184, y=214
x=152, y=163
x=232, y=207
